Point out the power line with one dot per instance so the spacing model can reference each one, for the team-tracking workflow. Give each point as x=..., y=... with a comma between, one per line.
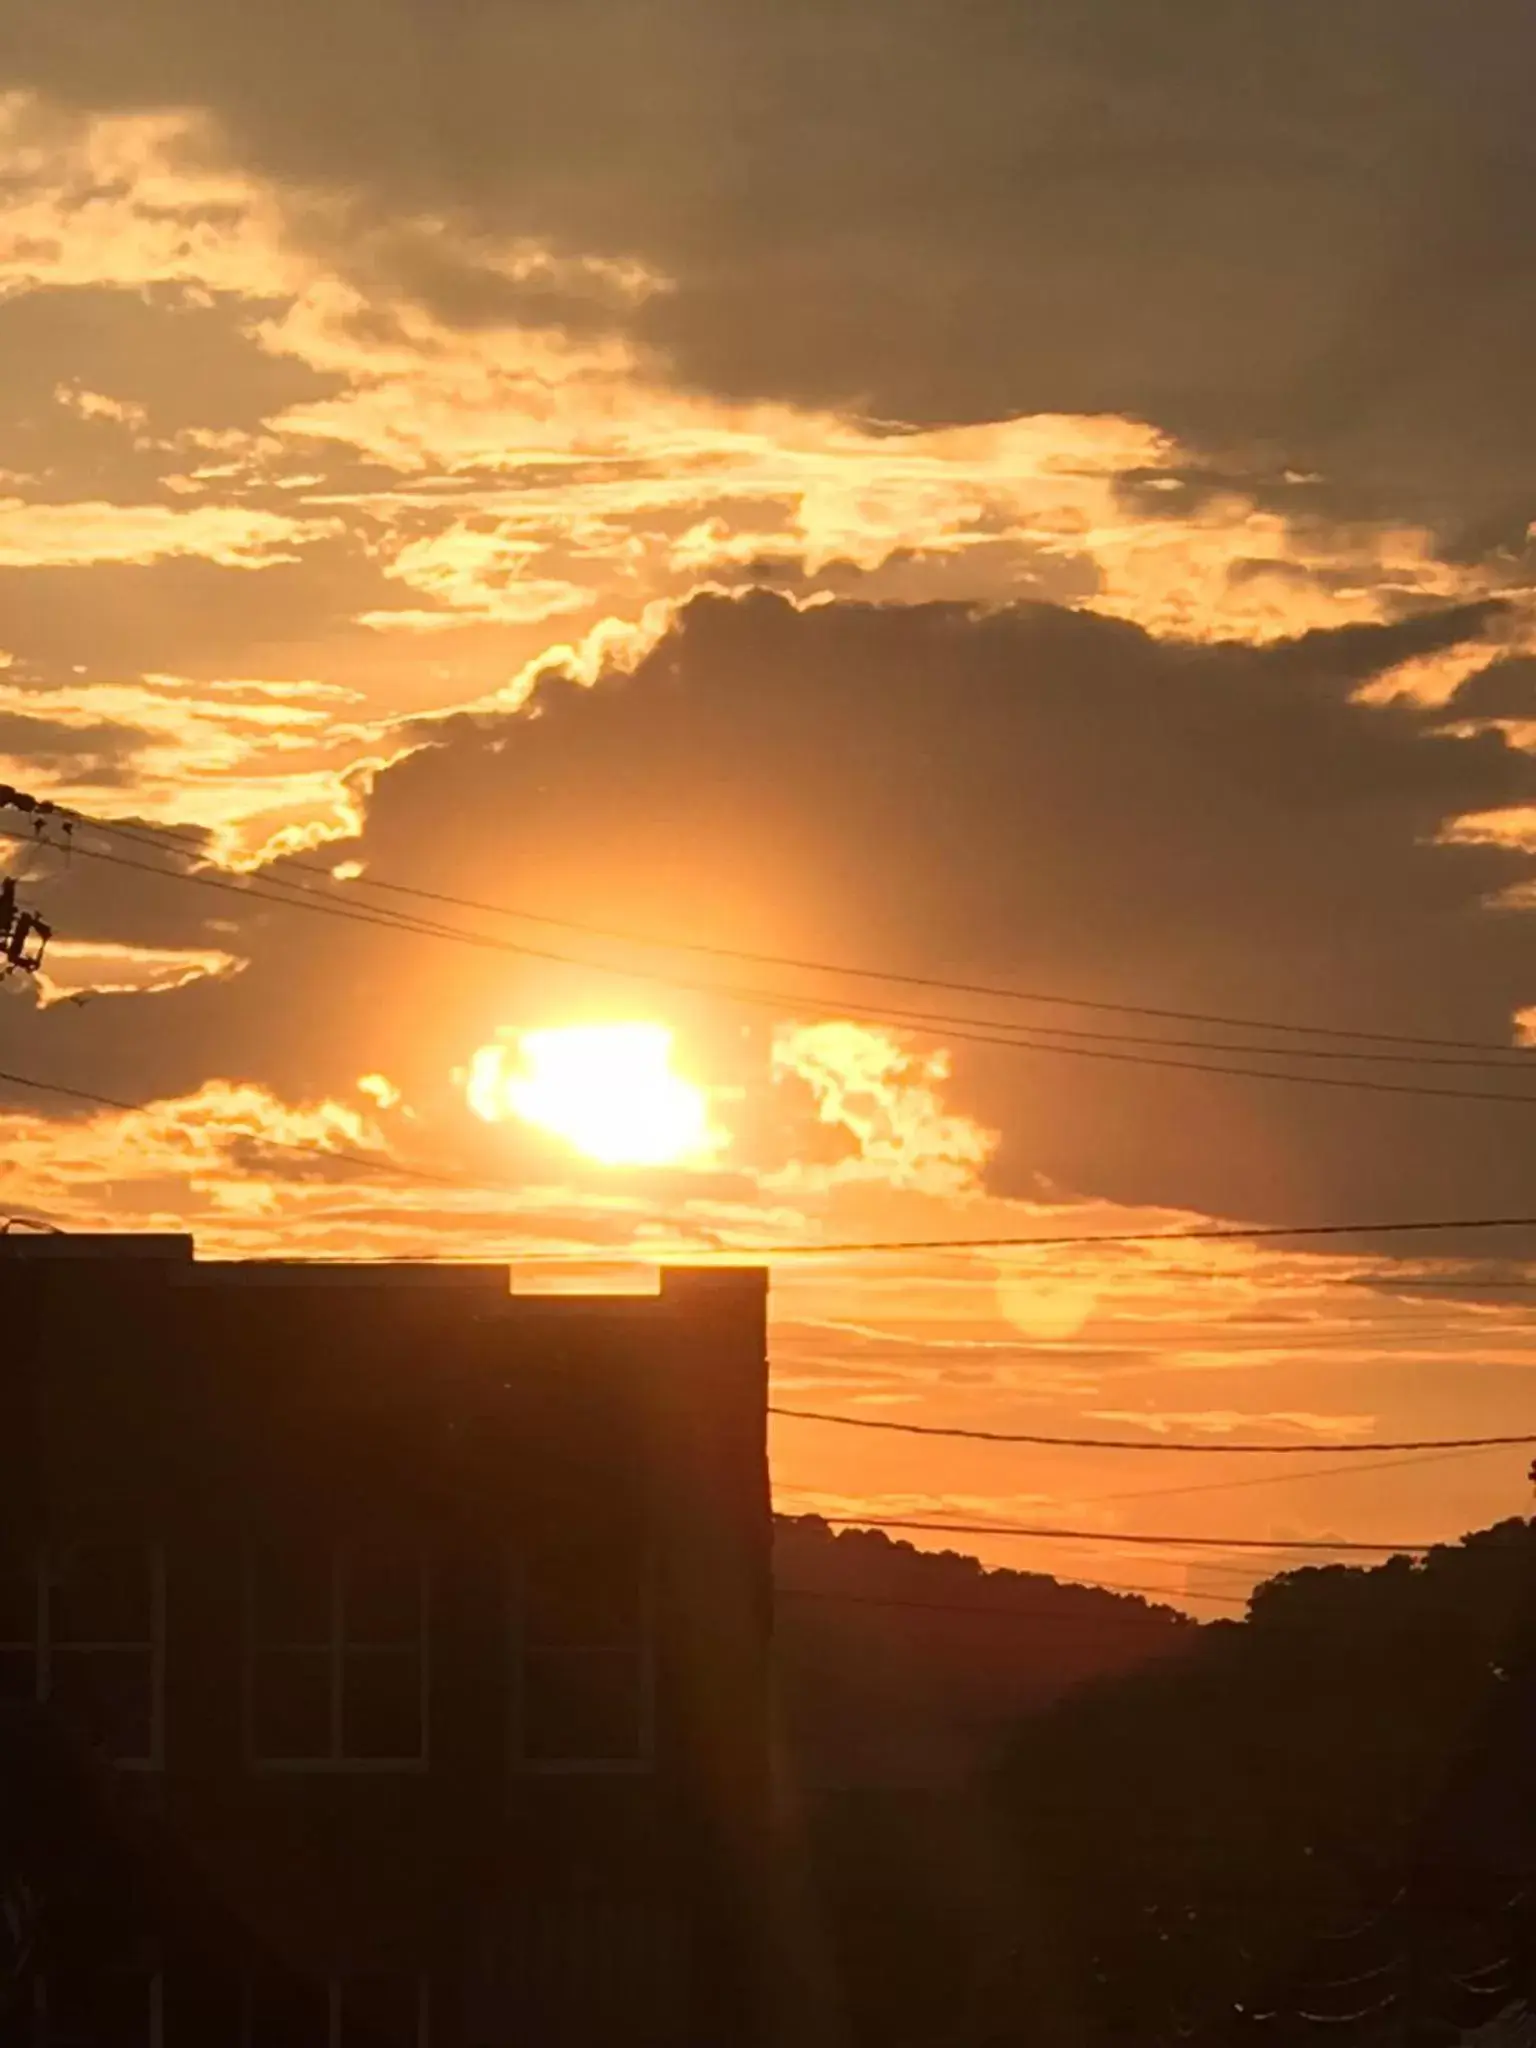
x=1242, y=1485
x=1062, y=1617
x=261, y=1138
x=304, y=899
x=1109, y=1443
x=1492, y=1057
x=1281, y=1478
x=1216, y=1233
x=1393, y=1283
x=1241, y=1233
x=1241, y=1571
x=968, y=1029
x=1263, y=1543
x=963, y=1029
x=991, y=991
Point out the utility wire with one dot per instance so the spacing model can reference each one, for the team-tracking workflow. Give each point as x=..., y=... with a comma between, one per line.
x=258, y=1138
x=1110, y=1443
x=1063, y=1618
x=863, y=1526
x=1304, y=1474
x=962, y=1029
x=991, y=991
x=653, y=1254
x=1216, y=1232
x=1264, y=1543
x=1490, y=1057
x=1244, y=1484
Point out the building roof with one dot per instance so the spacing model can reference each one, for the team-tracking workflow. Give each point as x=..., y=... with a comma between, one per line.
x=95, y=1244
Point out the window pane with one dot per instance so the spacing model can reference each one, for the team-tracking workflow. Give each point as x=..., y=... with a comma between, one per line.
x=379, y=2012
x=383, y=1598
x=583, y=1706
x=100, y=1593
x=292, y=1595
x=584, y=1593
x=18, y=1677
x=381, y=1705
x=291, y=1704
x=107, y=1696
x=289, y=2012
x=106, y=2011
x=18, y=1597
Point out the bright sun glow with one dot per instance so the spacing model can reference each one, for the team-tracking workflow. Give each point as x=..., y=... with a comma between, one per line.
x=607, y=1089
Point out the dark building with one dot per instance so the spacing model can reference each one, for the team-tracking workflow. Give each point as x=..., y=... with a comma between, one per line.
x=392, y=1649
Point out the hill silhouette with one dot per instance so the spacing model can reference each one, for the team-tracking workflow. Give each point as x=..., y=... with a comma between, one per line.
x=1315, y=1823
x=900, y=1666
x=1320, y=1823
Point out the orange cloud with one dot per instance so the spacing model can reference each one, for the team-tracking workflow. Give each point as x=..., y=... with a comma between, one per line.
x=260, y=766
x=541, y=474
x=77, y=968
x=865, y=1082
x=42, y=536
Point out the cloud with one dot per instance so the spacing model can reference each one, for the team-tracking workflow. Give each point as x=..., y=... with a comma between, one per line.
x=1034, y=797
x=96, y=405
x=881, y=1098
x=78, y=968
x=34, y=536
x=1501, y=689
x=438, y=426
x=1209, y=218
x=1130, y=405
x=1024, y=796
x=129, y=200
x=1220, y=1422
x=255, y=335
x=221, y=1141
x=479, y=574
x=243, y=760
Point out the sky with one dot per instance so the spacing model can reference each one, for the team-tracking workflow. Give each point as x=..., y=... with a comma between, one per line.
x=1014, y=497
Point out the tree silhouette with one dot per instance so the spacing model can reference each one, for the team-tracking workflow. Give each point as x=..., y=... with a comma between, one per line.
x=1317, y=1822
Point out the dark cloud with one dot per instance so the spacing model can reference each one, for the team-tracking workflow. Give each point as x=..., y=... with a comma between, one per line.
x=1281, y=222
x=1505, y=689
x=183, y=615
x=103, y=746
x=1051, y=800
x=184, y=364
x=172, y=369
x=1033, y=796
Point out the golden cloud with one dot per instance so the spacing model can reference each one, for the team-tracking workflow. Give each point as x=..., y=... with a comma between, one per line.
x=78, y=968
x=542, y=474
x=867, y=1083
x=41, y=536
x=260, y=766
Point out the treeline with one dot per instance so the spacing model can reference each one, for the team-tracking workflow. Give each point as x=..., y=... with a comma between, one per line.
x=899, y=1666
x=1318, y=1823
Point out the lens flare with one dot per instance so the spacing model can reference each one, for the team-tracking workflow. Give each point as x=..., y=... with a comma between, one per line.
x=609, y=1090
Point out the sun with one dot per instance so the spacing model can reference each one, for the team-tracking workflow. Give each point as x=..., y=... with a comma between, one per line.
x=607, y=1089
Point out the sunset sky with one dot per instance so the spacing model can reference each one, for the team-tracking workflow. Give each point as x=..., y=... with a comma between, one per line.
x=1014, y=496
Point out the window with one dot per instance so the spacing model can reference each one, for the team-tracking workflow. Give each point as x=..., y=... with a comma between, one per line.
x=583, y=1680
x=339, y=2012
x=82, y=1627
x=336, y=1668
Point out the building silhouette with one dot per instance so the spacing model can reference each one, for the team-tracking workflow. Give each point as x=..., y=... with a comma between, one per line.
x=386, y=1655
